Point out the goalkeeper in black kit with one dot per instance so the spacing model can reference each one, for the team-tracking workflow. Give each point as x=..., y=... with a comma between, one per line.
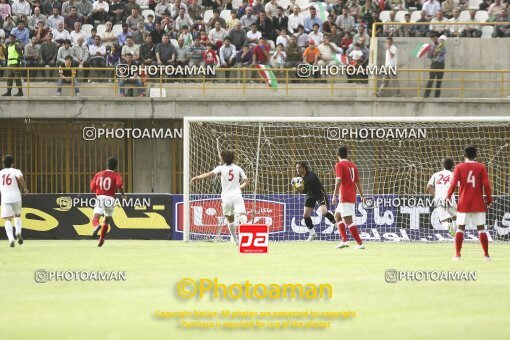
x=308, y=183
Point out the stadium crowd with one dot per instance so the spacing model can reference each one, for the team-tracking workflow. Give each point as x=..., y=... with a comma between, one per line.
x=229, y=33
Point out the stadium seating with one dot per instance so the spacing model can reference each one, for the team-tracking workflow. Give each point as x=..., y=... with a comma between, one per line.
x=237, y=3
x=225, y=14
x=117, y=29
x=415, y=16
x=146, y=12
x=101, y=29
x=208, y=15
x=304, y=4
x=399, y=17
x=174, y=42
x=487, y=31
x=474, y=4
x=87, y=28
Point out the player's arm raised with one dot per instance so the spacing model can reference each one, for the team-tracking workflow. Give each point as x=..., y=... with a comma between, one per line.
x=203, y=176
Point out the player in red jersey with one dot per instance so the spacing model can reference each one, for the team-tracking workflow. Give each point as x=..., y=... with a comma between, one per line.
x=105, y=184
x=346, y=183
x=474, y=181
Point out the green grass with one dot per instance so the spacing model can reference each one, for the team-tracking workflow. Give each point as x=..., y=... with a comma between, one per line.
x=126, y=310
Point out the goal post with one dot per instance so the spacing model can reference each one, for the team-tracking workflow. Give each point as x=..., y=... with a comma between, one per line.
x=395, y=156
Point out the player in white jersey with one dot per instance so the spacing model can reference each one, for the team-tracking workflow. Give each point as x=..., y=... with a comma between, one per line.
x=11, y=180
x=233, y=180
x=438, y=187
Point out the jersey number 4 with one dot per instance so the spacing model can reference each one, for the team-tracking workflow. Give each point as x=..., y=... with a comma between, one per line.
x=105, y=183
x=471, y=178
x=6, y=179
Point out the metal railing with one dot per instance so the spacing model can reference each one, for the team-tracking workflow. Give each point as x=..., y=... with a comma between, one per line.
x=103, y=82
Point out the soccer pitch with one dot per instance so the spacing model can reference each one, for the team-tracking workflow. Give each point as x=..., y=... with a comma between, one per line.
x=127, y=309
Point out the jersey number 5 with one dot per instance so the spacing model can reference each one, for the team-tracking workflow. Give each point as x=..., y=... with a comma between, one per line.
x=230, y=175
x=471, y=178
x=6, y=179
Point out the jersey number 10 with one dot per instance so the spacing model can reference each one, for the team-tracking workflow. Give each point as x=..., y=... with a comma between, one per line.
x=105, y=183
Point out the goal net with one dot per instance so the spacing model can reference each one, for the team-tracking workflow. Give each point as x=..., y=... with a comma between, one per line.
x=395, y=157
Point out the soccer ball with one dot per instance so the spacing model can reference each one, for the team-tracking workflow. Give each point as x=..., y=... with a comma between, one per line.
x=297, y=182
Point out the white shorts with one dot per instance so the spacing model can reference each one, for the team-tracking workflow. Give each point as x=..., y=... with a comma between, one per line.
x=471, y=219
x=10, y=209
x=104, y=205
x=346, y=209
x=446, y=212
x=233, y=205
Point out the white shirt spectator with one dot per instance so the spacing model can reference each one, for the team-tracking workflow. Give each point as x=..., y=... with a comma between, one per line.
x=391, y=61
x=316, y=37
x=284, y=40
x=20, y=7
x=257, y=35
x=431, y=7
x=75, y=35
x=98, y=5
x=61, y=35
x=93, y=49
x=54, y=20
x=295, y=21
x=227, y=53
x=186, y=21
x=271, y=8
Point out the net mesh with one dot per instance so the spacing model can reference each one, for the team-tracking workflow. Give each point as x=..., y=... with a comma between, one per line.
x=395, y=162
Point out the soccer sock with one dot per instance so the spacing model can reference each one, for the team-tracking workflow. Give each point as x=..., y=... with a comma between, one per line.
x=330, y=217
x=341, y=229
x=95, y=222
x=232, y=228
x=309, y=225
x=354, y=233
x=104, y=229
x=17, y=224
x=8, y=230
x=484, y=241
x=459, y=238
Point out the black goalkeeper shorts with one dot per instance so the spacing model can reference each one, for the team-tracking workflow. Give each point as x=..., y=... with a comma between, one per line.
x=320, y=200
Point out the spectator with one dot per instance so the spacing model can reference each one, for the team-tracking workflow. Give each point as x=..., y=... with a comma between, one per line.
x=76, y=34
x=197, y=27
x=157, y=34
x=328, y=52
x=261, y=53
x=346, y=41
x=217, y=35
x=181, y=53
x=302, y=38
x=150, y=25
x=244, y=59
x=283, y=38
x=108, y=37
x=64, y=51
x=67, y=75
x=48, y=53
x=5, y=9
x=311, y=20
x=113, y=56
x=431, y=7
x=139, y=35
x=54, y=19
x=437, y=54
x=134, y=78
x=494, y=10
x=257, y=7
x=406, y=30
x=97, y=54
x=391, y=60
x=8, y=25
x=128, y=7
x=368, y=9
x=232, y=22
x=116, y=12
x=248, y=19
x=315, y=35
x=363, y=62
x=264, y=25
x=271, y=9
x=183, y=19
x=438, y=28
x=81, y=54
x=196, y=52
x=253, y=36
x=21, y=33
x=456, y=30
x=311, y=56
x=147, y=51
x=35, y=18
x=167, y=24
x=242, y=9
x=31, y=56
x=161, y=8
x=186, y=36
x=19, y=8
x=91, y=38
x=335, y=36
x=72, y=18
x=131, y=48
x=448, y=6
x=354, y=8
x=295, y=20
x=472, y=30
x=60, y=35
x=100, y=10
x=227, y=55
x=84, y=8
x=210, y=57
x=122, y=37
x=280, y=22
x=361, y=35
x=134, y=20
x=14, y=56
x=326, y=25
x=40, y=32
x=48, y=5
x=294, y=54
x=66, y=8
x=345, y=22
x=216, y=18
x=391, y=30
x=195, y=10
x=165, y=52
x=502, y=31
x=237, y=36
x=176, y=7
x=421, y=30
